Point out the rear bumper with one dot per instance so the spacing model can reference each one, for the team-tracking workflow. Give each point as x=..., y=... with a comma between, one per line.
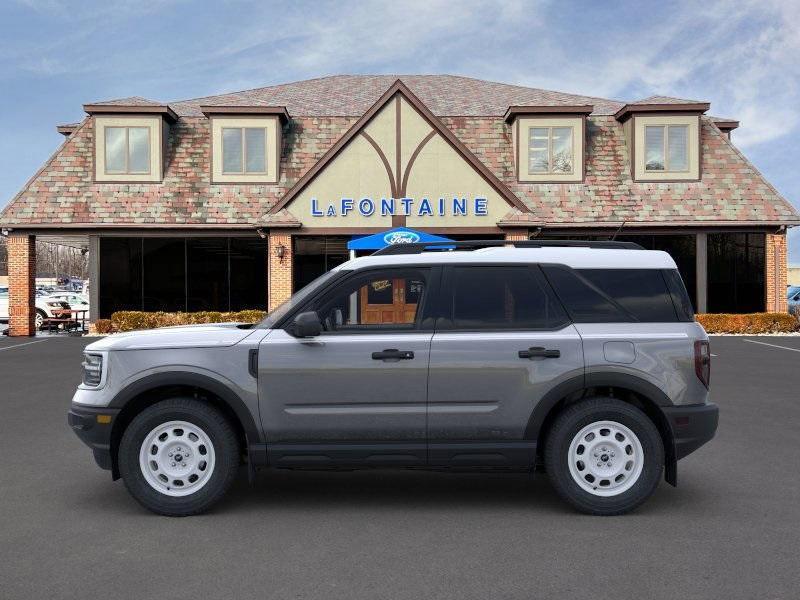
x=93, y=432
x=692, y=426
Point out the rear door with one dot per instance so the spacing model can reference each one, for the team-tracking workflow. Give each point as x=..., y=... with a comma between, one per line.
x=502, y=341
x=356, y=393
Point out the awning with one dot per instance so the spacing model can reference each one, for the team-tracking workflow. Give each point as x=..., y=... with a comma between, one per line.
x=398, y=235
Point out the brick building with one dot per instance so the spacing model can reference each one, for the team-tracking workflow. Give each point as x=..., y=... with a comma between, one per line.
x=234, y=201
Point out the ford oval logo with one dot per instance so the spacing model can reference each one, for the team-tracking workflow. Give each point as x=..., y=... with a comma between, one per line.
x=401, y=237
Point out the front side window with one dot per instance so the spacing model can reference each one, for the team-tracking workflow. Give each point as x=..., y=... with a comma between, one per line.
x=383, y=300
x=666, y=147
x=244, y=150
x=502, y=298
x=127, y=150
x=550, y=150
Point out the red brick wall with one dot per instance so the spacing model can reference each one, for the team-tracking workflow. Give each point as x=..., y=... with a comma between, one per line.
x=517, y=235
x=21, y=284
x=279, y=283
x=776, y=271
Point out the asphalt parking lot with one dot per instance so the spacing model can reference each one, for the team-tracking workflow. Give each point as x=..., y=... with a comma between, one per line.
x=730, y=530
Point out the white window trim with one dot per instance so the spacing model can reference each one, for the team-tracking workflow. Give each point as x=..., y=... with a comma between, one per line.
x=640, y=174
x=272, y=126
x=156, y=127
x=521, y=133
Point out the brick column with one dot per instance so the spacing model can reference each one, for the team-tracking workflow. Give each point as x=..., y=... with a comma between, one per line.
x=21, y=284
x=775, y=273
x=279, y=283
x=516, y=235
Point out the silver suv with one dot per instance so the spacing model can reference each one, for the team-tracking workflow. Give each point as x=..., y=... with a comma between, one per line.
x=579, y=359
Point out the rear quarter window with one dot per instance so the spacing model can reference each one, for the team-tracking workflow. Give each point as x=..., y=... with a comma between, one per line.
x=614, y=295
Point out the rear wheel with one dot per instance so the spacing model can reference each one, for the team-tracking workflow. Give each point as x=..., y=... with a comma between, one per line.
x=178, y=457
x=604, y=456
x=39, y=318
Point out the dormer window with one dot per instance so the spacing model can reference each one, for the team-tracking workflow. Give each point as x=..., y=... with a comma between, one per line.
x=127, y=150
x=245, y=143
x=548, y=142
x=244, y=150
x=666, y=148
x=550, y=150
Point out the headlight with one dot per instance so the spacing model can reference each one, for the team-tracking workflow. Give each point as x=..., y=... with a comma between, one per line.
x=53, y=304
x=92, y=369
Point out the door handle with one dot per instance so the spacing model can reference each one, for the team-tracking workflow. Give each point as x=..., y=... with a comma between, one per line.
x=393, y=354
x=539, y=352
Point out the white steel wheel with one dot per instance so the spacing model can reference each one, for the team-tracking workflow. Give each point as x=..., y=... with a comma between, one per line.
x=605, y=458
x=177, y=458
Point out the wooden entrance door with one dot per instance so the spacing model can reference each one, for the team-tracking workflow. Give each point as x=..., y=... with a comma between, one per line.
x=389, y=301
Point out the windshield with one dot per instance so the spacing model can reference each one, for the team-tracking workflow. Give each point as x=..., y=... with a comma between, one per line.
x=299, y=297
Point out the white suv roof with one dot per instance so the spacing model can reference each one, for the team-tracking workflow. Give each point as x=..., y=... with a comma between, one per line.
x=575, y=257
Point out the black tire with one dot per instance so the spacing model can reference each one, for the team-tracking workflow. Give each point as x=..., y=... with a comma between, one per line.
x=226, y=450
x=570, y=422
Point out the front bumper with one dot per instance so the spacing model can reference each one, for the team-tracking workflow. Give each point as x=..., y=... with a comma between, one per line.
x=692, y=426
x=93, y=426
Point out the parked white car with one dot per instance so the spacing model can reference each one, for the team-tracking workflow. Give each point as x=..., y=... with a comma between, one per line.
x=45, y=307
x=76, y=300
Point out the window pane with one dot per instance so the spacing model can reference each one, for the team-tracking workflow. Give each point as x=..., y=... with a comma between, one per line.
x=120, y=266
x=502, y=298
x=538, y=150
x=207, y=274
x=654, y=148
x=370, y=302
x=678, y=140
x=231, y=150
x=115, y=149
x=255, y=139
x=138, y=149
x=248, y=273
x=562, y=149
x=164, y=277
x=643, y=292
x=585, y=304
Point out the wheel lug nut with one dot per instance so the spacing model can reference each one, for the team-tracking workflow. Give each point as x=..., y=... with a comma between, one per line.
x=183, y=464
x=173, y=464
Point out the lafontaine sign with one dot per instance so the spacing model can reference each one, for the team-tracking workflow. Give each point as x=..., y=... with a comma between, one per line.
x=422, y=207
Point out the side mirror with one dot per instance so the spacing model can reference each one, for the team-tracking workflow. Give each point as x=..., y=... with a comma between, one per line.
x=306, y=324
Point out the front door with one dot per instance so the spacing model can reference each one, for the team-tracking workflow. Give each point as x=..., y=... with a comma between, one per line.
x=357, y=392
x=389, y=301
x=502, y=342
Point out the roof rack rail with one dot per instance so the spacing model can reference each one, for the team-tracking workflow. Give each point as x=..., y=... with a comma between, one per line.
x=419, y=247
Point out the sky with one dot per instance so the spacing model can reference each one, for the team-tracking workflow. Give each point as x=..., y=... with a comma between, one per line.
x=742, y=56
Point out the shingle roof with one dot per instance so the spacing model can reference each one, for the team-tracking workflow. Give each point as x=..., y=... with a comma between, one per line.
x=130, y=101
x=665, y=100
x=63, y=193
x=352, y=95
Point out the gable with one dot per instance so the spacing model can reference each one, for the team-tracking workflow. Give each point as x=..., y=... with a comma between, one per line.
x=399, y=161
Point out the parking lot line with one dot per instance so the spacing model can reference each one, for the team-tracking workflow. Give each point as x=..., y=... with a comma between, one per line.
x=773, y=345
x=20, y=345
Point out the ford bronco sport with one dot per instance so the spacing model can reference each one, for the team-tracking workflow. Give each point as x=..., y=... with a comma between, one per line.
x=580, y=359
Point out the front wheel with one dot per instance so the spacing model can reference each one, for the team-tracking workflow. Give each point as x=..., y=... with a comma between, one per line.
x=604, y=456
x=178, y=457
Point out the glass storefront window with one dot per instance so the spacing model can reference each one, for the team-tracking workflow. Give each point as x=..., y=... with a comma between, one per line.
x=735, y=272
x=180, y=274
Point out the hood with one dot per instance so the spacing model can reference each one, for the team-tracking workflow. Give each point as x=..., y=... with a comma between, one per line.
x=212, y=335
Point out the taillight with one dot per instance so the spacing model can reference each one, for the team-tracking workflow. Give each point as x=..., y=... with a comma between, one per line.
x=702, y=362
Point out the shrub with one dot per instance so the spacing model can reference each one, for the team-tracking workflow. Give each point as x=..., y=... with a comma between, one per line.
x=103, y=326
x=752, y=323
x=129, y=320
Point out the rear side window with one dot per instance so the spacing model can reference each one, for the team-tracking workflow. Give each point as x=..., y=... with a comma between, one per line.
x=680, y=297
x=607, y=295
x=585, y=302
x=502, y=298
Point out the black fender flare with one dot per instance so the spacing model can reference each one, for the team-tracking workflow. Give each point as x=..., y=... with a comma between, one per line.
x=193, y=379
x=609, y=379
